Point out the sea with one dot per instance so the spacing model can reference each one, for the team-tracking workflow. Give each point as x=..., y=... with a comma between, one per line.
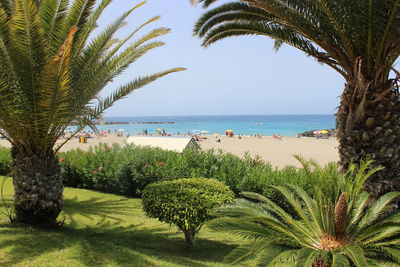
x=287, y=125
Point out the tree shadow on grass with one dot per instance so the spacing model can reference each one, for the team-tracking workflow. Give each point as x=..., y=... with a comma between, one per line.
x=107, y=244
x=105, y=241
x=96, y=207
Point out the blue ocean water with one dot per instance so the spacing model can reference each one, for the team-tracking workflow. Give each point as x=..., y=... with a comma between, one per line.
x=287, y=125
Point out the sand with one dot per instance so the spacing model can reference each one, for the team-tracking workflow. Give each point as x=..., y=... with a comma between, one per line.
x=279, y=153
x=74, y=142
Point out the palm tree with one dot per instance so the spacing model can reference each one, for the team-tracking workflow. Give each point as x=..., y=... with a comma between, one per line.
x=52, y=69
x=335, y=226
x=358, y=39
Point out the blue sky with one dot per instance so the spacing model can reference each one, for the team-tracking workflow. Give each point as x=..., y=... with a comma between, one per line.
x=241, y=75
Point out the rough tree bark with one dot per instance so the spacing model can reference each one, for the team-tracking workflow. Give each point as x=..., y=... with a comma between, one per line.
x=368, y=125
x=38, y=189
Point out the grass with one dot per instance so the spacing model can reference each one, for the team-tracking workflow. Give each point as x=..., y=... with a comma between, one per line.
x=105, y=230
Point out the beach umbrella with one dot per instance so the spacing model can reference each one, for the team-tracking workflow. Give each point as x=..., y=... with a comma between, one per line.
x=216, y=135
x=203, y=131
x=324, y=131
x=228, y=131
x=316, y=132
x=121, y=130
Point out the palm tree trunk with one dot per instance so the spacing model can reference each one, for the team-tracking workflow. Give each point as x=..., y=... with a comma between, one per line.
x=368, y=125
x=38, y=189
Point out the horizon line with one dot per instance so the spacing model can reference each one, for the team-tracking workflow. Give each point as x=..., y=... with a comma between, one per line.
x=291, y=114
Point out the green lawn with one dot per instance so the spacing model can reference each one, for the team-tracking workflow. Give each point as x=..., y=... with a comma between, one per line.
x=105, y=230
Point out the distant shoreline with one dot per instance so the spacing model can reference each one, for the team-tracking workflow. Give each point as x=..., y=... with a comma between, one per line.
x=135, y=122
x=213, y=115
x=287, y=125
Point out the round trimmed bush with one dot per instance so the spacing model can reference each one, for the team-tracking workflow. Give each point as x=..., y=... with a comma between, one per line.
x=187, y=203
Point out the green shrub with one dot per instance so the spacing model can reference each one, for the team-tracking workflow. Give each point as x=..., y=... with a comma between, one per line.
x=128, y=170
x=187, y=203
x=122, y=170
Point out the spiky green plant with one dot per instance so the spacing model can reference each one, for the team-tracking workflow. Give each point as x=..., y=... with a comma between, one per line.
x=334, y=226
x=52, y=69
x=359, y=39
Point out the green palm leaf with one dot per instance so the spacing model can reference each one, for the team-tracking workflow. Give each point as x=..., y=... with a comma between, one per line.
x=356, y=255
x=246, y=252
x=52, y=15
x=125, y=90
x=306, y=257
x=377, y=209
x=308, y=236
x=339, y=260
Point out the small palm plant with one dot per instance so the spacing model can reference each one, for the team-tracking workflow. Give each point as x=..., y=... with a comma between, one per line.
x=337, y=226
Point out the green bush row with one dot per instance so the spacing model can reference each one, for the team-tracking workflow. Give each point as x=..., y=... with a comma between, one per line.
x=128, y=170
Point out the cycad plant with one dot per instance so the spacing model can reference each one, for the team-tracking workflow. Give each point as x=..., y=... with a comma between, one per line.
x=52, y=69
x=359, y=39
x=336, y=225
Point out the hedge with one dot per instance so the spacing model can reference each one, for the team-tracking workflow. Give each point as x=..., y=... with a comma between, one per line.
x=128, y=170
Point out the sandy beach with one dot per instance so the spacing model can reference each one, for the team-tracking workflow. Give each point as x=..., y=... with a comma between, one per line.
x=279, y=153
x=74, y=143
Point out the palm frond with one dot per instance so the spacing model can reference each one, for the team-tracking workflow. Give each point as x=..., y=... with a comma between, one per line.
x=377, y=209
x=6, y=5
x=335, y=33
x=78, y=15
x=52, y=68
x=339, y=260
x=56, y=86
x=247, y=251
x=243, y=228
x=306, y=257
x=125, y=90
x=90, y=25
x=356, y=255
x=52, y=13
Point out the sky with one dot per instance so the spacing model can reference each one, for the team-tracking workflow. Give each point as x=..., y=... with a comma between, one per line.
x=236, y=76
